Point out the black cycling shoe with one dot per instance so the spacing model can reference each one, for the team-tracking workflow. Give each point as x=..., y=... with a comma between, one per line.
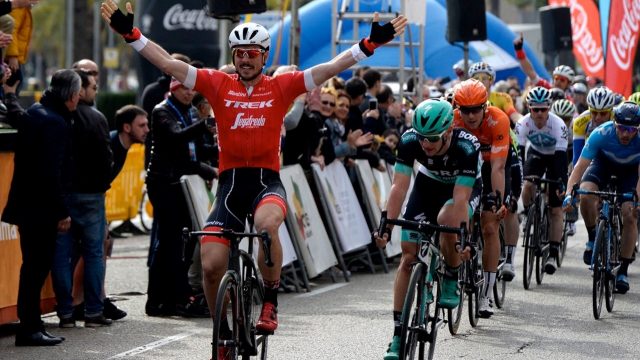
x=551, y=265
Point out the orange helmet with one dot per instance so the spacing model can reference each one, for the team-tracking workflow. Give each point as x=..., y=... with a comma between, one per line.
x=470, y=93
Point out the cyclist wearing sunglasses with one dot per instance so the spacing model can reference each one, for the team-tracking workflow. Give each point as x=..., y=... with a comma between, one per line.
x=612, y=149
x=446, y=191
x=484, y=73
x=249, y=108
x=600, y=101
x=491, y=126
x=548, y=136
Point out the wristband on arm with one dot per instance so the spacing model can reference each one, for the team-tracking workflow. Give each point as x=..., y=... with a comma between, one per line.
x=520, y=54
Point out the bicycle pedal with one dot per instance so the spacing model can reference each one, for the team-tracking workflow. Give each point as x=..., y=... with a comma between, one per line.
x=264, y=333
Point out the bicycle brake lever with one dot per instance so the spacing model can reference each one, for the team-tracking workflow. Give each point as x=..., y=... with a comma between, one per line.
x=266, y=247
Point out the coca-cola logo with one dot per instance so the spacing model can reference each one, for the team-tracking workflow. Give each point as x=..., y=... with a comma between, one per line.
x=584, y=41
x=179, y=18
x=622, y=44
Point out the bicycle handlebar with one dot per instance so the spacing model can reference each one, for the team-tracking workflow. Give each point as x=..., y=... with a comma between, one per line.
x=422, y=226
x=236, y=236
x=606, y=194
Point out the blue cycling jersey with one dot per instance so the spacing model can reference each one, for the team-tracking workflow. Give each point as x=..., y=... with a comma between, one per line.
x=604, y=142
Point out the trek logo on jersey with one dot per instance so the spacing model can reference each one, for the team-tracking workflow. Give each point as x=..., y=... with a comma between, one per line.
x=248, y=104
x=248, y=122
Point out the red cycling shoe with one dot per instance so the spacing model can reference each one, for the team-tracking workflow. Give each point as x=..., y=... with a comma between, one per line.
x=268, y=321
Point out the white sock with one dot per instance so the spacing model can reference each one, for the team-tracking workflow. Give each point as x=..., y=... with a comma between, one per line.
x=489, y=281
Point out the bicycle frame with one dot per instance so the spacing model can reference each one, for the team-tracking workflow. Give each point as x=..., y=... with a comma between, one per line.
x=241, y=277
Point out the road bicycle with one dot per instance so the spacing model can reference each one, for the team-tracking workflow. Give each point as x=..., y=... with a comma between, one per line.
x=240, y=297
x=421, y=314
x=606, y=246
x=536, y=231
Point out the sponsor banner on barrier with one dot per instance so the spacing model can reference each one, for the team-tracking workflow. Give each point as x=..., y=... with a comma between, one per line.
x=308, y=229
x=348, y=219
x=377, y=186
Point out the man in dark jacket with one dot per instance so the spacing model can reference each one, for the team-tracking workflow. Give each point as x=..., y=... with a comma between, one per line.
x=36, y=204
x=92, y=160
x=173, y=154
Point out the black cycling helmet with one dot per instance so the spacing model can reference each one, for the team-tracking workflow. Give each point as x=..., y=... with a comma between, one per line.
x=628, y=113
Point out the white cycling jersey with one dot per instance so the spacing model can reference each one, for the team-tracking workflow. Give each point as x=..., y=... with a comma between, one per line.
x=552, y=136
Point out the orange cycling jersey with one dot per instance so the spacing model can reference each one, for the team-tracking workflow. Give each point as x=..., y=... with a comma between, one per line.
x=493, y=132
x=249, y=120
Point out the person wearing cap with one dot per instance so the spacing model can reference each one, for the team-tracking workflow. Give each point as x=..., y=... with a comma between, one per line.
x=580, y=91
x=173, y=154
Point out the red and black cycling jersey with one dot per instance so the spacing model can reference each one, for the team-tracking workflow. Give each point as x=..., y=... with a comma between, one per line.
x=249, y=119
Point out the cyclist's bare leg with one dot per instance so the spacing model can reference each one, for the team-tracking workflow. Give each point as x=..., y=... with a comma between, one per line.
x=528, y=189
x=589, y=204
x=491, y=249
x=629, y=230
x=215, y=260
x=409, y=250
x=449, y=217
x=269, y=217
x=511, y=229
x=555, y=233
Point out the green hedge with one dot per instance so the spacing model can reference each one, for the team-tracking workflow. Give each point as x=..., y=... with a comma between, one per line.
x=109, y=102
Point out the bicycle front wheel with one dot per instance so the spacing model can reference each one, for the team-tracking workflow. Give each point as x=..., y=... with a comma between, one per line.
x=476, y=279
x=413, y=312
x=226, y=323
x=599, y=270
x=455, y=315
x=529, y=247
x=611, y=256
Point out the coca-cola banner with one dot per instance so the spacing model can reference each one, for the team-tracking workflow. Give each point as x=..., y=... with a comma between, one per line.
x=624, y=23
x=178, y=26
x=585, y=28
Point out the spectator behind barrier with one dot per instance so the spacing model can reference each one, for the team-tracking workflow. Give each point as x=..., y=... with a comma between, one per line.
x=43, y=161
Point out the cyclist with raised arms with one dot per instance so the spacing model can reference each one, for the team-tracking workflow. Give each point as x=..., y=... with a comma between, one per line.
x=484, y=73
x=250, y=109
x=446, y=191
x=491, y=126
x=612, y=149
x=601, y=101
x=548, y=136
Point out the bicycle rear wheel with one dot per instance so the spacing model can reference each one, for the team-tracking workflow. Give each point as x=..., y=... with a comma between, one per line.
x=414, y=313
x=455, y=315
x=475, y=278
x=227, y=314
x=542, y=253
x=529, y=250
x=563, y=241
x=500, y=286
x=253, y=296
x=612, y=256
x=599, y=271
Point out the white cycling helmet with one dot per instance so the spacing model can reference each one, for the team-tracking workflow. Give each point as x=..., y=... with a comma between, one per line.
x=566, y=71
x=563, y=108
x=481, y=67
x=250, y=34
x=601, y=98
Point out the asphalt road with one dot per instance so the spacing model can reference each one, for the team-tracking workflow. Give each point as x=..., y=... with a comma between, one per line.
x=353, y=320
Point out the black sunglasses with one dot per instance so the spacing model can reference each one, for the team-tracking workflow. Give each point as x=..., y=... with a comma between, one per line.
x=469, y=110
x=431, y=138
x=539, y=109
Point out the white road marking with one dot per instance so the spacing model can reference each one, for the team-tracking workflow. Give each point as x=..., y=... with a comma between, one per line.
x=323, y=290
x=151, y=346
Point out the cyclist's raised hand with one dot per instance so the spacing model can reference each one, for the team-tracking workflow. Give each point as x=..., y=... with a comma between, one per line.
x=518, y=43
x=118, y=21
x=382, y=34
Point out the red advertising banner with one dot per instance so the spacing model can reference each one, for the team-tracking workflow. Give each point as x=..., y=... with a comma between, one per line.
x=624, y=24
x=587, y=41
